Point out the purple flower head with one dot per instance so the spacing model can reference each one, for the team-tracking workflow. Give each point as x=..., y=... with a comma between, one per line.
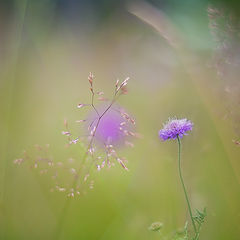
x=112, y=128
x=174, y=128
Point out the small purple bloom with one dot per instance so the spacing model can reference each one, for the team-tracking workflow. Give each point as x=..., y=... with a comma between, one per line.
x=108, y=128
x=112, y=128
x=175, y=128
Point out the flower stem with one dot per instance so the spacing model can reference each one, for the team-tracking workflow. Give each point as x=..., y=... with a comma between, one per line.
x=79, y=172
x=183, y=185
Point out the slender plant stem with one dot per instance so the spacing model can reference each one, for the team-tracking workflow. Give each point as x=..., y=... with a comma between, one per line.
x=183, y=185
x=84, y=158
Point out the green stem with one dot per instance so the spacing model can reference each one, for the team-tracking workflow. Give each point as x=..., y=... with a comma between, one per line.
x=183, y=185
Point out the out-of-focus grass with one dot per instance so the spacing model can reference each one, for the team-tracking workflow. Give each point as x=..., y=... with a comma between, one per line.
x=41, y=86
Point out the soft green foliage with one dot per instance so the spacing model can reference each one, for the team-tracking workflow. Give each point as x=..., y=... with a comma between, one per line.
x=179, y=234
x=199, y=219
x=182, y=234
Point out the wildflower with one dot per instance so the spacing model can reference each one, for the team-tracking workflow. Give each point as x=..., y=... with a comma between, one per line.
x=110, y=129
x=175, y=128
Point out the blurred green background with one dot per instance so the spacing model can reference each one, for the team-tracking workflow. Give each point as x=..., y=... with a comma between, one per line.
x=48, y=48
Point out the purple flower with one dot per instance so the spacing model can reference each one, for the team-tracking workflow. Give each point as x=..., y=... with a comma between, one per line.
x=108, y=129
x=113, y=128
x=175, y=128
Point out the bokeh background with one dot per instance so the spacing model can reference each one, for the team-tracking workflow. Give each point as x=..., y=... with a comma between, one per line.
x=180, y=64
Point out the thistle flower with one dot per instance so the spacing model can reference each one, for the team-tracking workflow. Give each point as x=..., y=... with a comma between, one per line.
x=175, y=128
